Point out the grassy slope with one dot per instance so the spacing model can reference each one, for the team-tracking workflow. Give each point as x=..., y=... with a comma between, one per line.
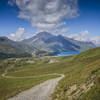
x=83, y=66
x=20, y=67
x=77, y=69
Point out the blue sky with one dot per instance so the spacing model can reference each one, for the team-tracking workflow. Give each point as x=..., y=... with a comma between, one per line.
x=87, y=19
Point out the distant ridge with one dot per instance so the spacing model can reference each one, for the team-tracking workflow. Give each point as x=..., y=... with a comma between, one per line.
x=41, y=43
x=9, y=49
x=49, y=42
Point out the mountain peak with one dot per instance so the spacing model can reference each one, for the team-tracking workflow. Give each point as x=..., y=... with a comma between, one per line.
x=44, y=34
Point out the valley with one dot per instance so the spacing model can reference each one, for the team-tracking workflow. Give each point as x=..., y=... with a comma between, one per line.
x=81, y=75
x=49, y=49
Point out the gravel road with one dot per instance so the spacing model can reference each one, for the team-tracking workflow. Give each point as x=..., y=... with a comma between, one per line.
x=42, y=91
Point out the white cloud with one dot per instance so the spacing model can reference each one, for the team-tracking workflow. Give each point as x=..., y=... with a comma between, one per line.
x=47, y=14
x=61, y=31
x=84, y=33
x=75, y=36
x=82, y=36
x=96, y=40
x=64, y=30
x=19, y=35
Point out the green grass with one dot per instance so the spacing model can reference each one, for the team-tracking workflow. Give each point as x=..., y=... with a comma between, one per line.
x=11, y=86
x=94, y=93
x=77, y=69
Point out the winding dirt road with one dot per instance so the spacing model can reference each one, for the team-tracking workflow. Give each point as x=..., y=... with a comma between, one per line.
x=42, y=91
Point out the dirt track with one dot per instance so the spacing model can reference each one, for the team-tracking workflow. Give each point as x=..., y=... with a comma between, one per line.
x=42, y=91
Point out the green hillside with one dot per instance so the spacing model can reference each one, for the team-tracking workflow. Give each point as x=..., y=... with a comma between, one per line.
x=90, y=53
x=81, y=81
x=11, y=49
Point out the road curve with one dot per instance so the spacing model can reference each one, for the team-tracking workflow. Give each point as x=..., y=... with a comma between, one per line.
x=42, y=91
x=7, y=76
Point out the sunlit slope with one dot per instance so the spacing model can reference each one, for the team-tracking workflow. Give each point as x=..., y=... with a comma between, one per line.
x=90, y=53
x=81, y=75
x=82, y=82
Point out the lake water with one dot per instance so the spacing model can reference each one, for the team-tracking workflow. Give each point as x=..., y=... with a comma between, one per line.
x=67, y=54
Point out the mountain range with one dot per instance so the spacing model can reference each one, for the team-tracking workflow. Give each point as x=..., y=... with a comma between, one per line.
x=43, y=43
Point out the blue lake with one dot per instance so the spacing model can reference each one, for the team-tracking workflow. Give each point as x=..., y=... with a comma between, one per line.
x=67, y=54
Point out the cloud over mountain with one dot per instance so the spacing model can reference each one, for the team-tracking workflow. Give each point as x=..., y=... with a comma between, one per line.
x=46, y=14
x=96, y=40
x=18, y=36
x=84, y=36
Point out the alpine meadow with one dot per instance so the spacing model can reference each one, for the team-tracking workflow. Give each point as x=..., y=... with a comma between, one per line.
x=49, y=50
